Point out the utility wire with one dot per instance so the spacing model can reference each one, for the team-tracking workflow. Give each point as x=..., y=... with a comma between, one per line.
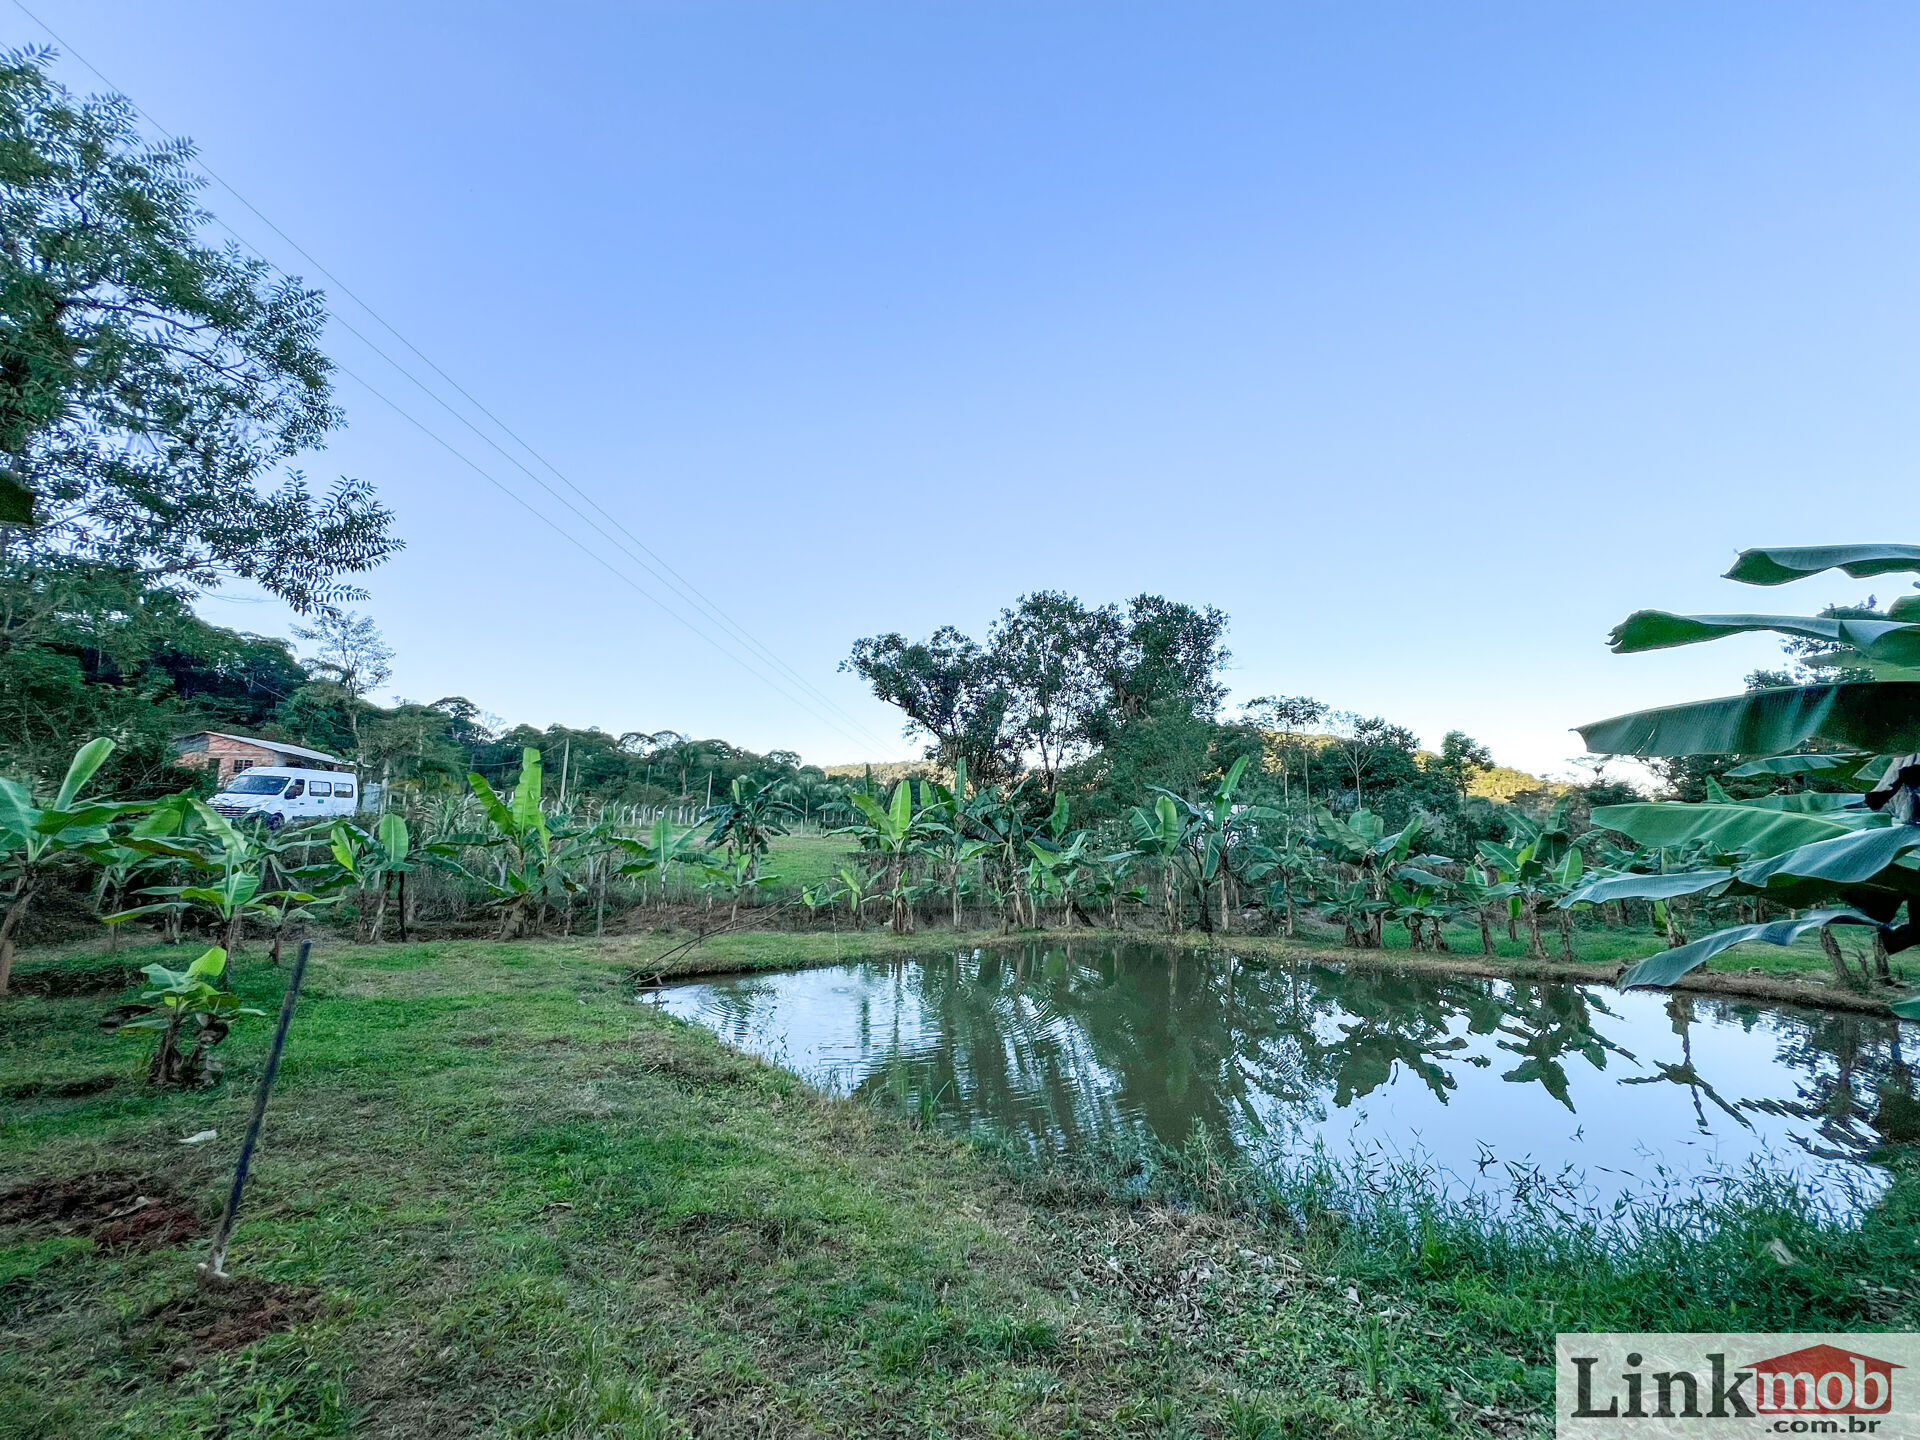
x=676, y=583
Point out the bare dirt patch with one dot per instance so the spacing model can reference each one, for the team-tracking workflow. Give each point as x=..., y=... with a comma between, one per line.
x=62, y=984
x=113, y=1209
x=223, y=1317
x=61, y=1089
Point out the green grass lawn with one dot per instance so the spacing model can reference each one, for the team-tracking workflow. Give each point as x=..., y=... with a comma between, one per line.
x=806, y=860
x=497, y=1197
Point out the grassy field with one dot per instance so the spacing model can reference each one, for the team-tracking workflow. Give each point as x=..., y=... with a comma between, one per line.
x=497, y=1197
x=804, y=860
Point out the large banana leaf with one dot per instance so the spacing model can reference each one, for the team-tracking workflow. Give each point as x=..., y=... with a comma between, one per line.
x=497, y=812
x=1670, y=965
x=1753, y=832
x=1887, y=641
x=1777, y=564
x=89, y=758
x=1871, y=715
x=1604, y=888
x=1800, y=765
x=1852, y=859
x=528, y=817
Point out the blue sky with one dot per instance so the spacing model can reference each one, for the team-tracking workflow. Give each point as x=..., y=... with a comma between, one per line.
x=1426, y=341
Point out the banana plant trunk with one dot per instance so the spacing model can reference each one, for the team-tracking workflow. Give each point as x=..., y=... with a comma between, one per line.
x=1536, y=948
x=23, y=892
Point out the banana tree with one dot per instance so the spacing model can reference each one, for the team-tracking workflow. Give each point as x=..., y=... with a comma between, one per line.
x=1160, y=832
x=856, y=889
x=373, y=862
x=1540, y=866
x=952, y=822
x=656, y=855
x=736, y=875
x=183, y=1000
x=1470, y=894
x=1007, y=822
x=1212, y=833
x=745, y=824
x=1359, y=912
x=1836, y=862
x=893, y=832
x=35, y=837
x=231, y=862
x=536, y=858
x=1360, y=841
x=1294, y=874
x=1064, y=871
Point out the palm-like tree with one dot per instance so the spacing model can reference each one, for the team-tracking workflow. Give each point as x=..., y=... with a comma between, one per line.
x=745, y=823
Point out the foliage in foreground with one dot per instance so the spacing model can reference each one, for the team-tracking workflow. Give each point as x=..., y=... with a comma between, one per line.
x=1846, y=859
x=1523, y=1255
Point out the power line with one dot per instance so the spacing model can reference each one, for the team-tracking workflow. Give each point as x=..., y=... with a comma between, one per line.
x=672, y=579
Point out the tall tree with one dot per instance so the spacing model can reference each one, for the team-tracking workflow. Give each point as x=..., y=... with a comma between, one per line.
x=1042, y=650
x=950, y=691
x=151, y=384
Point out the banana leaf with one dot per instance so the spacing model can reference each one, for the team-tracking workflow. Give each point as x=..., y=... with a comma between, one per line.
x=1799, y=765
x=1670, y=965
x=1648, y=887
x=1870, y=715
x=1778, y=564
x=1809, y=802
x=1854, y=859
x=1887, y=641
x=1752, y=832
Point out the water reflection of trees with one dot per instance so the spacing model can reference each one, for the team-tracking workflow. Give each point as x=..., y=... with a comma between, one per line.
x=1068, y=1044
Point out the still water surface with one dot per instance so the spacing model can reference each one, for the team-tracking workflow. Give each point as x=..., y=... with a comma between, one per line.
x=1066, y=1045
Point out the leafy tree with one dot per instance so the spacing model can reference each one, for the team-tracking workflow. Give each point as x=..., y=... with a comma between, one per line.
x=1040, y=652
x=1462, y=758
x=1055, y=681
x=1289, y=723
x=348, y=650
x=950, y=692
x=150, y=382
x=1371, y=749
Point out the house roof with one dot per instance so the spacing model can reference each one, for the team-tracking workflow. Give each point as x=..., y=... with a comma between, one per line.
x=279, y=747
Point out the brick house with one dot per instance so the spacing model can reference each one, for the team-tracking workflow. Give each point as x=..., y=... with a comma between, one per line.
x=228, y=755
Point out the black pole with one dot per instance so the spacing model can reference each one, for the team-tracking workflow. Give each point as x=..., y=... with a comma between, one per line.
x=215, y=1266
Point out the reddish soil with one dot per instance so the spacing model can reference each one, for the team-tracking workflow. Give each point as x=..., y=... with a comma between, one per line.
x=226, y=1316
x=114, y=1210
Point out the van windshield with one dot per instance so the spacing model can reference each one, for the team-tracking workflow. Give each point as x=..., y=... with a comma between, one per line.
x=257, y=785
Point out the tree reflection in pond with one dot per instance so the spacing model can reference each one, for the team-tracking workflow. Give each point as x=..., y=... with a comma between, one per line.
x=1067, y=1045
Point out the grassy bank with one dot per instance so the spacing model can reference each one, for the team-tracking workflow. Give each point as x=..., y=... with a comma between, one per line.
x=498, y=1198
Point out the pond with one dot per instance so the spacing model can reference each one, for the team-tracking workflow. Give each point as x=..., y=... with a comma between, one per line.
x=1064, y=1045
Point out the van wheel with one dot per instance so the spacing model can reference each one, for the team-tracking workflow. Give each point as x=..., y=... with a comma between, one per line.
x=274, y=822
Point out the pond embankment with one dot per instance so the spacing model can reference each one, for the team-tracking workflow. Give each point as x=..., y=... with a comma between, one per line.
x=1790, y=978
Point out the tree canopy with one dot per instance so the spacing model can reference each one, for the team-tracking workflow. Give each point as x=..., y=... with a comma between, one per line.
x=152, y=384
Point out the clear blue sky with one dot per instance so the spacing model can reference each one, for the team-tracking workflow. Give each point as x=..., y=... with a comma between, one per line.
x=1426, y=341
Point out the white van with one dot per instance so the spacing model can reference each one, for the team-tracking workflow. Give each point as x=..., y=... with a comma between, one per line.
x=282, y=794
